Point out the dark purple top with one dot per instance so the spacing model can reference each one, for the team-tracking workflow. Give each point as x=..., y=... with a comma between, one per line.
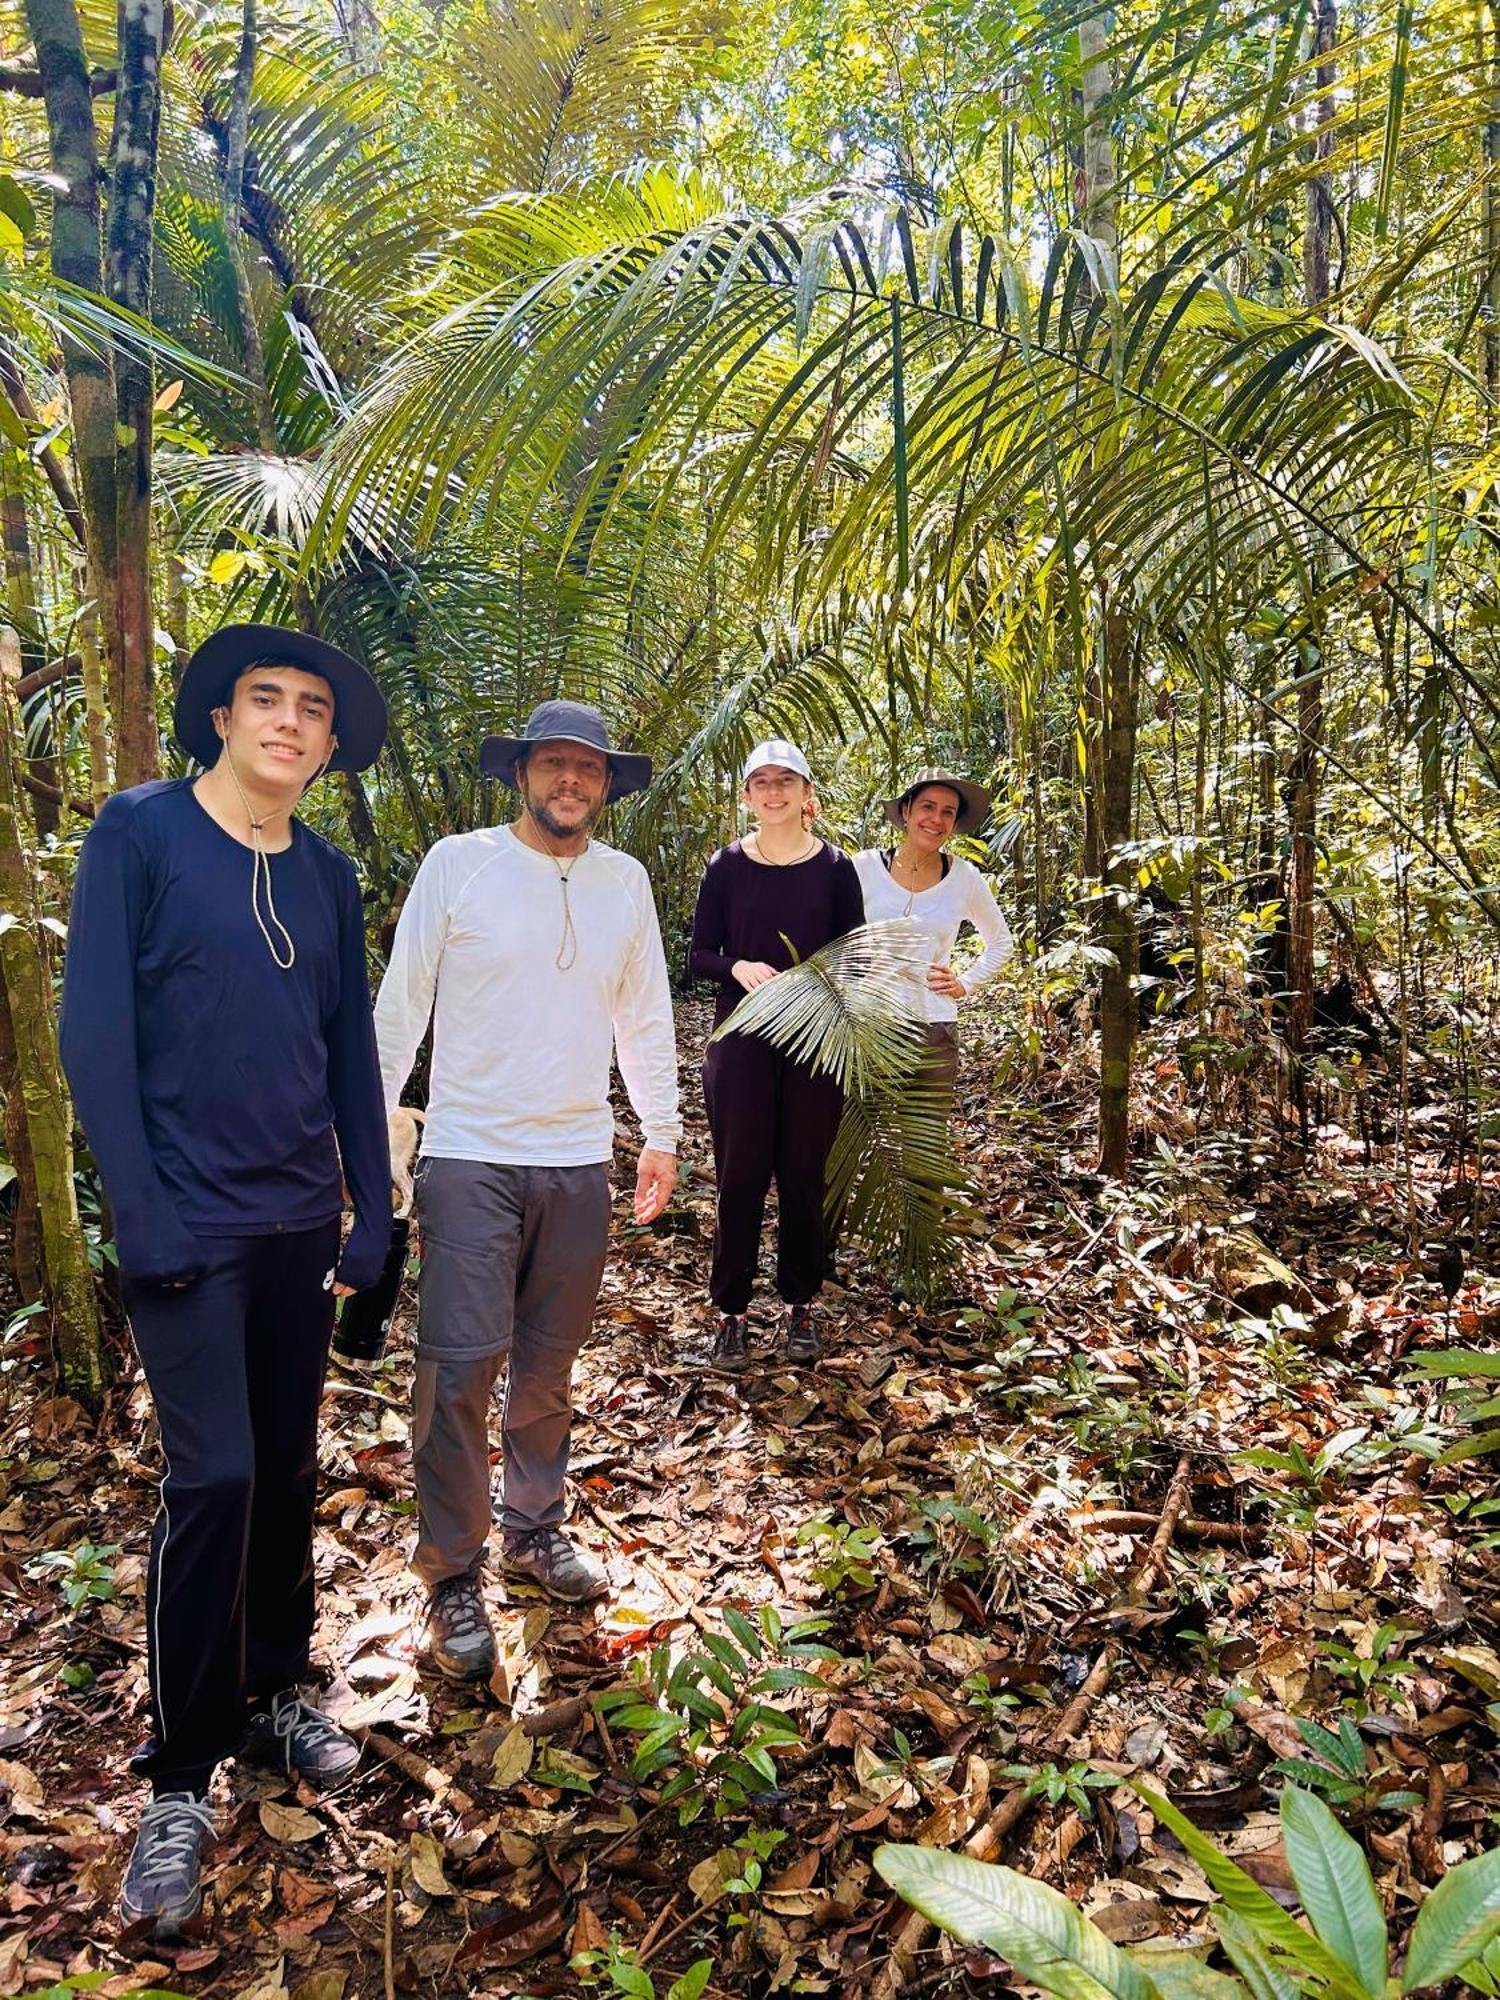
x=748, y=909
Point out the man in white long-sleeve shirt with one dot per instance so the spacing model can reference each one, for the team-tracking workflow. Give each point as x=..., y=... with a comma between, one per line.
x=536, y=952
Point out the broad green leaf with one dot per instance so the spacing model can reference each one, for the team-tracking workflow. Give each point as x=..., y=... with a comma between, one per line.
x=1456, y=1923
x=1261, y=1973
x=1182, y=1975
x=692, y=1982
x=1039, y=1931
x=1455, y=1361
x=1333, y=1879
x=1273, y=1926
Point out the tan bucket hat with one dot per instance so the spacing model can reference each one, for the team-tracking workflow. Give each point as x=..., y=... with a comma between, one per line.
x=975, y=806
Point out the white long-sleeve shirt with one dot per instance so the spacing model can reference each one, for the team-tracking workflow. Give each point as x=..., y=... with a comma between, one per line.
x=521, y=1050
x=962, y=893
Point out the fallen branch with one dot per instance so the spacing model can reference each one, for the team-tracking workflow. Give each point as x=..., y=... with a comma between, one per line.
x=1015, y=1807
x=1125, y=1521
x=437, y=1784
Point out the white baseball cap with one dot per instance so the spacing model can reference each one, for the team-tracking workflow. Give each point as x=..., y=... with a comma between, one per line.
x=776, y=753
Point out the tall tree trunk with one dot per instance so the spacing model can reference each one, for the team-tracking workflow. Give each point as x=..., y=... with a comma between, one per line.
x=78, y=260
x=1317, y=246
x=26, y=966
x=1114, y=678
x=132, y=206
x=96, y=718
x=1489, y=26
x=234, y=187
x=26, y=1223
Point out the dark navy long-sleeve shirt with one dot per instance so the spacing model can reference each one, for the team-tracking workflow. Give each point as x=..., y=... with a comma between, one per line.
x=220, y=1093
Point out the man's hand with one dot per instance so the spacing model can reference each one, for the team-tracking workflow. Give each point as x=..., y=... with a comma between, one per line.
x=943, y=979
x=752, y=972
x=655, y=1178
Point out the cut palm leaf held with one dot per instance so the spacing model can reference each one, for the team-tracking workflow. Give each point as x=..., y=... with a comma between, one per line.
x=854, y=1011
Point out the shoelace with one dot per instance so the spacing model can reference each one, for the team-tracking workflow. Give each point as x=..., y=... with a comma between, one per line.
x=463, y=1607
x=172, y=1827
x=291, y=1716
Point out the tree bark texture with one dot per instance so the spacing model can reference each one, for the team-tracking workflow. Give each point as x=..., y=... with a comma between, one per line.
x=234, y=233
x=1490, y=27
x=26, y=1219
x=1303, y=775
x=26, y=966
x=78, y=259
x=132, y=205
x=1112, y=764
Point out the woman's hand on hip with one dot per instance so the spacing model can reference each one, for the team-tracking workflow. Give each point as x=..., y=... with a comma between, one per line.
x=943, y=979
x=752, y=972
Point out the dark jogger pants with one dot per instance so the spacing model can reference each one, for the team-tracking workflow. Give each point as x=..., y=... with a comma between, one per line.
x=235, y=1365
x=769, y=1116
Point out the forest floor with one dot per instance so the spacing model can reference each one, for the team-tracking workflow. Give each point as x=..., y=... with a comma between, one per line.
x=967, y=1499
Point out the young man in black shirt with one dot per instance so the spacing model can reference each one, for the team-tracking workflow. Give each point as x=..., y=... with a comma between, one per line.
x=217, y=1034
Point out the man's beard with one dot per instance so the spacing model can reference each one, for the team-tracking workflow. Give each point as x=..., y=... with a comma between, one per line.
x=550, y=824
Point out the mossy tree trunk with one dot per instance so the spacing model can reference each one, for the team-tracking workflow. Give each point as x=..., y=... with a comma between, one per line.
x=25, y=962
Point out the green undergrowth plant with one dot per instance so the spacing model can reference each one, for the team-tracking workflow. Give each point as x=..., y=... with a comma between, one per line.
x=1474, y=1391
x=85, y=1574
x=846, y=1555
x=617, y=1967
x=708, y=1718
x=1340, y=1770
x=1345, y=1955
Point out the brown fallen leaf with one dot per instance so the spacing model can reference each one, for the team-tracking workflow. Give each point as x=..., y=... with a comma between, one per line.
x=511, y=1940
x=588, y=1933
x=289, y=1823
x=1129, y=1922
x=426, y=1857
x=327, y=1985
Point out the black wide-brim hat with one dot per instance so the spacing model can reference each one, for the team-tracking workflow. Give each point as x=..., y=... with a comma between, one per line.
x=975, y=806
x=565, y=722
x=359, y=711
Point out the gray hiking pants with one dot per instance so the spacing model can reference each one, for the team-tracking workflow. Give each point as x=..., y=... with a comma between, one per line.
x=512, y=1258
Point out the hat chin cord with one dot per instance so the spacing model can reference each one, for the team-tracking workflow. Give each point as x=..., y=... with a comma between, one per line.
x=260, y=867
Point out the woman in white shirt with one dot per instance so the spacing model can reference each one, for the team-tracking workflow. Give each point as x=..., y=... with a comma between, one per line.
x=919, y=880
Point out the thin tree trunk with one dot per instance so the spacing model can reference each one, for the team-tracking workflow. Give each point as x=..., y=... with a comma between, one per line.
x=78, y=260
x=25, y=963
x=101, y=776
x=1490, y=20
x=1115, y=669
x=234, y=187
x=26, y=1224
x=1303, y=788
x=132, y=205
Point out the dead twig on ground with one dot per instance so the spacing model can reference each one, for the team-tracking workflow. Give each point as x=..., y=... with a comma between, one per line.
x=990, y=1837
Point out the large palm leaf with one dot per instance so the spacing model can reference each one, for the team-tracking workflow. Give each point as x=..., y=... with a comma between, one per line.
x=853, y=1011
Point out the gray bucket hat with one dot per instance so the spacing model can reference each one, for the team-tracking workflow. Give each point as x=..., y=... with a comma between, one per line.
x=565, y=722
x=971, y=813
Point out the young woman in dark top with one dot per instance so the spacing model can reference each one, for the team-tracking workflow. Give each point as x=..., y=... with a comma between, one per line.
x=767, y=902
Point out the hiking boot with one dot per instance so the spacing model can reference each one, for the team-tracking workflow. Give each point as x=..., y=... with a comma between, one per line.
x=161, y=1883
x=460, y=1637
x=804, y=1343
x=288, y=1734
x=564, y=1570
x=729, y=1355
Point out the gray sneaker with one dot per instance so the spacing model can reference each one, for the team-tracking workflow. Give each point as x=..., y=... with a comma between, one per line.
x=289, y=1734
x=564, y=1570
x=460, y=1638
x=161, y=1883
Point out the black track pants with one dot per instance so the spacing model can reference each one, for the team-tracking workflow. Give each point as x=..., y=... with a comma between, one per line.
x=235, y=1364
x=768, y=1116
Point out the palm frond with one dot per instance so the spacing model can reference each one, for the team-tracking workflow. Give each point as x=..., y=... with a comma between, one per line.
x=853, y=1011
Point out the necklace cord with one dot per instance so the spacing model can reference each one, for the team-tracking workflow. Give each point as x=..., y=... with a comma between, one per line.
x=567, y=949
x=260, y=877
